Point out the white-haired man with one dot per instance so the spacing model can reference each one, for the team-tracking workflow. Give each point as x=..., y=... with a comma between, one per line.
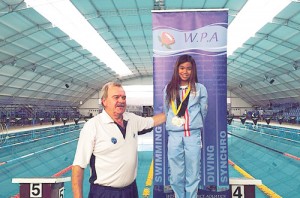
x=108, y=142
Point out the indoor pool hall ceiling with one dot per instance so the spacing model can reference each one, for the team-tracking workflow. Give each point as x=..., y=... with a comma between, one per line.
x=40, y=63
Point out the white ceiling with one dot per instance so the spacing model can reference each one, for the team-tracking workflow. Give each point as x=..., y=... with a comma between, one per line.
x=38, y=60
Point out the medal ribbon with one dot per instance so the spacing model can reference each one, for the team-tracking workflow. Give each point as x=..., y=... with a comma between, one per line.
x=176, y=110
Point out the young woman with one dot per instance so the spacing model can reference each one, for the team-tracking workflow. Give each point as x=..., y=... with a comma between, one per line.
x=185, y=108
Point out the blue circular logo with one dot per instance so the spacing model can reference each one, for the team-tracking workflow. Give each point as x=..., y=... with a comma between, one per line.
x=114, y=140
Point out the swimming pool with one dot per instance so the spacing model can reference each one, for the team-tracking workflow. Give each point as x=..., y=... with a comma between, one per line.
x=269, y=153
x=258, y=150
x=45, y=152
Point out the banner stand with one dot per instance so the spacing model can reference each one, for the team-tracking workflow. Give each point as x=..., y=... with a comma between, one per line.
x=51, y=187
x=201, y=34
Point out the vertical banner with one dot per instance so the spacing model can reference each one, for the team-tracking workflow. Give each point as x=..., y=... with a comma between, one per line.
x=203, y=35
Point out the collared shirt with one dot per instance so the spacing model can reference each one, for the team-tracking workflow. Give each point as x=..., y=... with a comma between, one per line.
x=197, y=110
x=113, y=158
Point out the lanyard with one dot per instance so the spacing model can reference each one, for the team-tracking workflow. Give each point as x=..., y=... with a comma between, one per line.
x=176, y=110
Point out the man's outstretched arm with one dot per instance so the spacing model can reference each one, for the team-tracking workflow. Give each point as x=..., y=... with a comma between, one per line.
x=159, y=119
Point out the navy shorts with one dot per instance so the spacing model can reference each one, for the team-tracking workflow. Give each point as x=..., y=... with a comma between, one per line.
x=98, y=191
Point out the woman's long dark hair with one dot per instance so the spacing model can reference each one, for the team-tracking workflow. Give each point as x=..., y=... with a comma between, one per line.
x=173, y=85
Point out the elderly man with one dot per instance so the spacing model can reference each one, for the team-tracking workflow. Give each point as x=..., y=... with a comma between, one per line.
x=108, y=142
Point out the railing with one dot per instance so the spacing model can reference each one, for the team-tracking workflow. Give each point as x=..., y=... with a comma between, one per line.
x=3, y=133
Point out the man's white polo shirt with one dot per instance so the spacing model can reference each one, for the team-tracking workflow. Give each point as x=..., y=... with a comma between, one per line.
x=114, y=159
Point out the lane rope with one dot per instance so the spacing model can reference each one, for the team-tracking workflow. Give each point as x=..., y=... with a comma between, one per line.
x=269, y=148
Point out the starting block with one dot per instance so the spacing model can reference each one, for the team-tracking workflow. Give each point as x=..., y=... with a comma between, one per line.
x=243, y=187
x=50, y=187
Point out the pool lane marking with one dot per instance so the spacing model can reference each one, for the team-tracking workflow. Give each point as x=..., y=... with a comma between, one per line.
x=148, y=183
x=262, y=187
x=37, y=152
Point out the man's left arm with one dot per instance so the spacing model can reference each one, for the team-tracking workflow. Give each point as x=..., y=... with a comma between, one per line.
x=146, y=124
x=159, y=119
